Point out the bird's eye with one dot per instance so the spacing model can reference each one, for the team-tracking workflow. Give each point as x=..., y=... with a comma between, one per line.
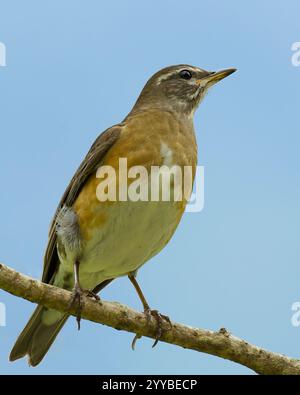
x=185, y=74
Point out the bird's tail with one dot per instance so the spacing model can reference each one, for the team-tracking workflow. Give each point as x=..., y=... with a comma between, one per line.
x=38, y=335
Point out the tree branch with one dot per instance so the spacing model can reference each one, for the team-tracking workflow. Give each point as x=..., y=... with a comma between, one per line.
x=115, y=315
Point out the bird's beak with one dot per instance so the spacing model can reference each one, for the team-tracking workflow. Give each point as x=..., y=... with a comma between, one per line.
x=214, y=77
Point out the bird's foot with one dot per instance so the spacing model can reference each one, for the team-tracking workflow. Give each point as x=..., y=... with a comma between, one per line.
x=77, y=300
x=91, y=294
x=160, y=319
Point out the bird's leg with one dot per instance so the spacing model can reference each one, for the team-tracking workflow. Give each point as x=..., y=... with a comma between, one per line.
x=160, y=318
x=78, y=293
x=140, y=293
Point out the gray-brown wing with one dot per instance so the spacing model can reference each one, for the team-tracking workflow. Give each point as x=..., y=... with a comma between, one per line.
x=90, y=163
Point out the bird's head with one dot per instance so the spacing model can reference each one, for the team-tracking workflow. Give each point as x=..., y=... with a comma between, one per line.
x=179, y=88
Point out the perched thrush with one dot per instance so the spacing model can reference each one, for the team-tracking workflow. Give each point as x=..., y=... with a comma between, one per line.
x=94, y=241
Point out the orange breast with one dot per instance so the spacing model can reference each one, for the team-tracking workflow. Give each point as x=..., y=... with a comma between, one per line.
x=140, y=142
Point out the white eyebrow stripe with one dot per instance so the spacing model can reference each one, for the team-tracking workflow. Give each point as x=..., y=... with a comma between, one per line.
x=166, y=76
x=173, y=72
x=197, y=69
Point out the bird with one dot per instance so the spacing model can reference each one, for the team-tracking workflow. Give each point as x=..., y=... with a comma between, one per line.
x=93, y=241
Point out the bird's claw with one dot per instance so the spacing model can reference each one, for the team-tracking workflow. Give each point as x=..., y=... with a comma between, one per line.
x=91, y=294
x=77, y=299
x=160, y=319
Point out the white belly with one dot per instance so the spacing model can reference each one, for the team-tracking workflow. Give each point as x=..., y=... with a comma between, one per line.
x=134, y=232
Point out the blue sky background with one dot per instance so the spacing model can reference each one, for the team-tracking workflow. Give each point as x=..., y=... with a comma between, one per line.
x=75, y=68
